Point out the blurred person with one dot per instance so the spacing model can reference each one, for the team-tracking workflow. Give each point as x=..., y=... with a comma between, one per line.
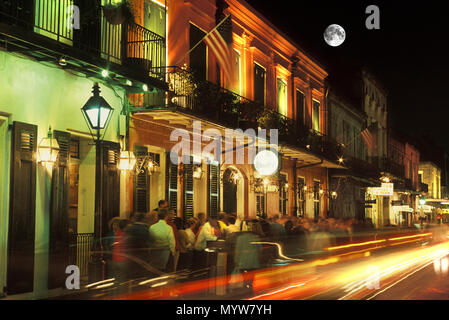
x=151, y=218
x=277, y=230
x=162, y=204
x=176, y=224
x=119, y=260
x=231, y=227
x=138, y=242
x=320, y=238
x=201, y=220
x=186, y=245
x=222, y=221
x=113, y=226
x=207, y=232
x=163, y=238
x=108, y=243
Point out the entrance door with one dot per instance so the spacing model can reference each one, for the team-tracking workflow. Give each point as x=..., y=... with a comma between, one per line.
x=229, y=192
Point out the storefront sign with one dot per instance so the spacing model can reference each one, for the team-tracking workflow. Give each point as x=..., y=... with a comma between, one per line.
x=386, y=189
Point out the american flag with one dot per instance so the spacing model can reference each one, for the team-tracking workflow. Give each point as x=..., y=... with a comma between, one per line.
x=222, y=49
x=369, y=137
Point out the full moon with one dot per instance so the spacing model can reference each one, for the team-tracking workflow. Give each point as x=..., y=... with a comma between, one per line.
x=334, y=35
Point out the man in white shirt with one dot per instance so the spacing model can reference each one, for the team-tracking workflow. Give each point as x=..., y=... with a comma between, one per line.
x=163, y=241
x=207, y=233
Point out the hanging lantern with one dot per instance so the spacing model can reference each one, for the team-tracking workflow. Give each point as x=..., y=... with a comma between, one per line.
x=48, y=149
x=127, y=160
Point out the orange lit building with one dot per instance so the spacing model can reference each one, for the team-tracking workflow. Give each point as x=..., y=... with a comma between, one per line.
x=274, y=85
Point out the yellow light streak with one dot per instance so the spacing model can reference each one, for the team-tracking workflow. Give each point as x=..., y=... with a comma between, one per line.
x=355, y=244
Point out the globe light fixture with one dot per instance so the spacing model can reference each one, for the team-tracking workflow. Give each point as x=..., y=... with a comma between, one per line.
x=48, y=149
x=266, y=162
x=96, y=110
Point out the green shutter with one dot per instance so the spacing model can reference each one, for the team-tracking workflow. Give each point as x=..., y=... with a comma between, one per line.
x=22, y=215
x=59, y=213
x=214, y=189
x=171, y=179
x=188, y=189
x=141, y=184
x=110, y=204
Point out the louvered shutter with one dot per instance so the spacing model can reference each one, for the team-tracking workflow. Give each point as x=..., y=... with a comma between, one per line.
x=188, y=190
x=171, y=177
x=22, y=215
x=59, y=213
x=214, y=189
x=141, y=184
x=111, y=184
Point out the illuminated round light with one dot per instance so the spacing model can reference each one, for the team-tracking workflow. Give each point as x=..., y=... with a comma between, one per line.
x=145, y=87
x=104, y=73
x=62, y=62
x=340, y=160
x=266, y=162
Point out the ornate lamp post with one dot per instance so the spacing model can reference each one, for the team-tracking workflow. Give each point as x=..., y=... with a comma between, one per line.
x=97, y=113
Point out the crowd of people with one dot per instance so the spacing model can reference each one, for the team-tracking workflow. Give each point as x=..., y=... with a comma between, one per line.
x=158, y=242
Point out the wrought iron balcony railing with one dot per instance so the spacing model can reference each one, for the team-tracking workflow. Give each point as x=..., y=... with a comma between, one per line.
x=95, y=38
x=218, y=104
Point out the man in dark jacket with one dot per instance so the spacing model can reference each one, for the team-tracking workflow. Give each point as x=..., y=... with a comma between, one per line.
x=137, y=245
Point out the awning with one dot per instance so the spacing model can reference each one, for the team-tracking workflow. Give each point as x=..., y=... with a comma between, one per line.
x=175, y=118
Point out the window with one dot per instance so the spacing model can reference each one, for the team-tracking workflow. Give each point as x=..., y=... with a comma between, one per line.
x=74, y=149
x=154, y=17
x=198, y=56
x=316, y=116
x=301, y=197
x=282, y=96
x=316, y=199
x=300, y=107
x=237, y=73
x=283, y=195
x=259, y=83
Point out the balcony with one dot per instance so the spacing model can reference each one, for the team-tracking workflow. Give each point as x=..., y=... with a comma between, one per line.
x=40, y=29
x=219, y=105
x=363, y=168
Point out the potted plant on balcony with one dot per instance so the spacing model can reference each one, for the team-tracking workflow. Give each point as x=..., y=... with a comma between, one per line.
x=118, y=12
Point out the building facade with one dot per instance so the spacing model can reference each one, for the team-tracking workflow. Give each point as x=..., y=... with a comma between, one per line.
x=274, y=85
x=48, y=72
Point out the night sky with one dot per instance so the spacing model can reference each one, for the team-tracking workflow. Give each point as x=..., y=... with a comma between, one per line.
x=409, y=54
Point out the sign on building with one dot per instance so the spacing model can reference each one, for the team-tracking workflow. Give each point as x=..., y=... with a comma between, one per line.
x=386, y=189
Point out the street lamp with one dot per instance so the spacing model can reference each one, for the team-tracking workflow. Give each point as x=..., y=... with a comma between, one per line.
x=48, y=149
x=97, y=113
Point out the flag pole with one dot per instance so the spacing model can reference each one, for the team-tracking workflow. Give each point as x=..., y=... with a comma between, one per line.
x=199, y=42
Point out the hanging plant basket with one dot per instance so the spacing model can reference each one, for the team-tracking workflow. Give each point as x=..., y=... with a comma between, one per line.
x=118, y=14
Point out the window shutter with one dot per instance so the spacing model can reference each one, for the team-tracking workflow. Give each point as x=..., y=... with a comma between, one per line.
x=214, y=189
x=171, y=177
x=141, y=184
x=188, y=190
x=59, y=213
x=111, y=184
x=22, y=216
